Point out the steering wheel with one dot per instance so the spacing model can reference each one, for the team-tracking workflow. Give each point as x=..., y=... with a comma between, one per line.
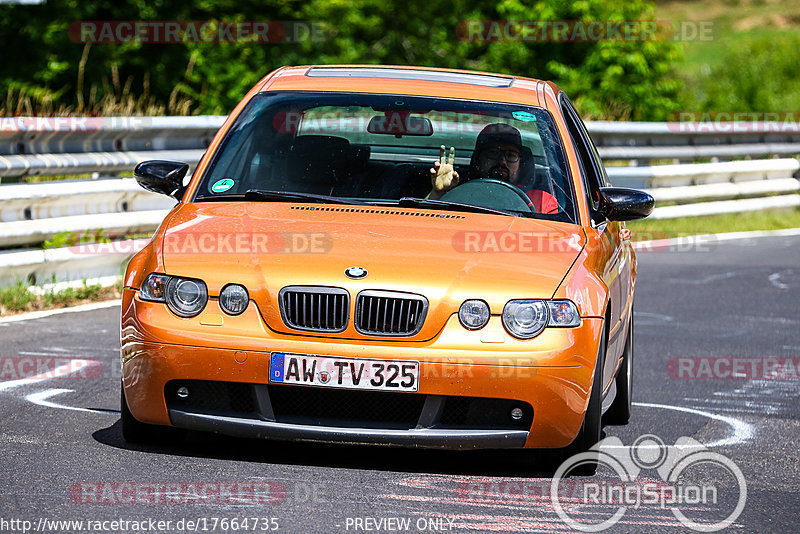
x=490, y=193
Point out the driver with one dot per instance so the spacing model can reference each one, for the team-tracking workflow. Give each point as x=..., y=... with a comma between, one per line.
x=499, y=154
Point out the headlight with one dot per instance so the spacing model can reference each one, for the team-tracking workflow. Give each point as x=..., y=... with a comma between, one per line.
x=186, y=297
x=473, y=314
x=233, y=299
x=525, y=319
x=154, y=287
x=563, y=313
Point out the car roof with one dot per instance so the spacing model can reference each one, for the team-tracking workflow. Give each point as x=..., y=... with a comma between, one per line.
x=421, y=81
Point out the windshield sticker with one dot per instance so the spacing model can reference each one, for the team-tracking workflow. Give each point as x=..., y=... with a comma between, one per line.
x=220, y=186
x=524, y=116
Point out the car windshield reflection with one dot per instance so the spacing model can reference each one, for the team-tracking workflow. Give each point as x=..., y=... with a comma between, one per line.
x=378, y=149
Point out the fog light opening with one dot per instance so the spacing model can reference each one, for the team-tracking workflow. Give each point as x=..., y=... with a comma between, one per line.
x=516, y=414
x=183, y=392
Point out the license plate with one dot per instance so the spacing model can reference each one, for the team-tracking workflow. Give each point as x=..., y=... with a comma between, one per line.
x=351, y=373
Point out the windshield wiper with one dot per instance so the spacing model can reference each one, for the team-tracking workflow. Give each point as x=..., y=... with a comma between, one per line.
x=414, y=202
x=264, y=194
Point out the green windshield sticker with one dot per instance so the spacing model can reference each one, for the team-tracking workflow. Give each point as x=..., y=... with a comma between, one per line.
x=220, y=186
x=524, y=116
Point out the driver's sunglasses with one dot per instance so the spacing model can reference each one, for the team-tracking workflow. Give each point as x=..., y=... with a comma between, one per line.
x=494, y=154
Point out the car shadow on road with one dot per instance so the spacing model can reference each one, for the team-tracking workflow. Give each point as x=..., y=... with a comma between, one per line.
x=497, y=462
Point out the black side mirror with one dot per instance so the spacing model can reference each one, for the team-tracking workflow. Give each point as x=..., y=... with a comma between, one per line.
x=165, y=177
x=623, y=204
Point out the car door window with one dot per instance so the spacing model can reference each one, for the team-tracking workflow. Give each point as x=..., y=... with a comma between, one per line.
x=592, y=171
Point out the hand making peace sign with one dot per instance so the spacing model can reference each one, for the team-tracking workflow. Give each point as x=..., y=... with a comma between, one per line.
x=443, y=176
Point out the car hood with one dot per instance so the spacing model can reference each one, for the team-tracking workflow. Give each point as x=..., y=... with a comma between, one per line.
x=446, y=256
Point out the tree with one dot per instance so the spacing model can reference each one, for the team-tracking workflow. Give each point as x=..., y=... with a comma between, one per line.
x=608, y=79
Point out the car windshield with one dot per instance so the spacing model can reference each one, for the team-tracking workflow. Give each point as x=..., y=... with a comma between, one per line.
x=379, y=149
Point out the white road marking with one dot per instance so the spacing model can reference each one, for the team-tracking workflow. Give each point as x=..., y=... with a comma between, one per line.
x=762, y=397
x=659, y=316
x=707, y=279
x=41, y=397
x=71, y=367
x=709, y=239
x=775, y=280
x=47, y=313
x=741, y=432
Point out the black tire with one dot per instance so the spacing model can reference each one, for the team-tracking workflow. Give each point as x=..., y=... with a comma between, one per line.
x=134, y=431
x=619, y=413
x=591, y=429
x=592, y=426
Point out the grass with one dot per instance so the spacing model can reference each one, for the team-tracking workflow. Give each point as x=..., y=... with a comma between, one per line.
x=734, y=21
x=776, y=219
x=113, y=99
x=19, y=298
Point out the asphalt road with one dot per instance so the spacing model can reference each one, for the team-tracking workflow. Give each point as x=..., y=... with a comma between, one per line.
x=699, y=312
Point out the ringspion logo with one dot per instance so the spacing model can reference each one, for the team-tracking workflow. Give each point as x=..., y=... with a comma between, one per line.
x=685, y=471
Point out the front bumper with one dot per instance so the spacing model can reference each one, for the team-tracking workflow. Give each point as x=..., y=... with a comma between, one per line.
x=432, y=438
x=551, y=373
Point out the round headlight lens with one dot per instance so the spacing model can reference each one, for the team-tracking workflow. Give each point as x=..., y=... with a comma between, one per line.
x=233, y=299
x=185, y=297
x=473, y=314
x=525, y=319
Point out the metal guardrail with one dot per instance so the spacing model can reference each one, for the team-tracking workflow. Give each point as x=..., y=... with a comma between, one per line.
x=33, y=213
x=693, y=185
x=32, y=145
x=689, y=141
x=91, y=263
x=72, y=135
x=17, y=166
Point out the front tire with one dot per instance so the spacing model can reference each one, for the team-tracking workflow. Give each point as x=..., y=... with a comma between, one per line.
x=592, y=426
x=619, y=413
x=134, y=431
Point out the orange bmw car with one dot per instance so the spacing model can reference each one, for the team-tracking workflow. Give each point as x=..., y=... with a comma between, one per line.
x=388, y=255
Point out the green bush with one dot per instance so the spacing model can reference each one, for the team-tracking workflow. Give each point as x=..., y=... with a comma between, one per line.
x=756, y=75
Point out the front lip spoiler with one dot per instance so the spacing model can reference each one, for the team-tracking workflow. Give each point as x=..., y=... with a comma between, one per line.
x=428, y=438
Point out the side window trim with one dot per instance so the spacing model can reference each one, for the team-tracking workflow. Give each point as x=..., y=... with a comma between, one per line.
x=591, y=177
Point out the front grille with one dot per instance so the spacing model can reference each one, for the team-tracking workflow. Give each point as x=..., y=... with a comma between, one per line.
x=345, y=408
x=390, y=313
x=316, y=309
